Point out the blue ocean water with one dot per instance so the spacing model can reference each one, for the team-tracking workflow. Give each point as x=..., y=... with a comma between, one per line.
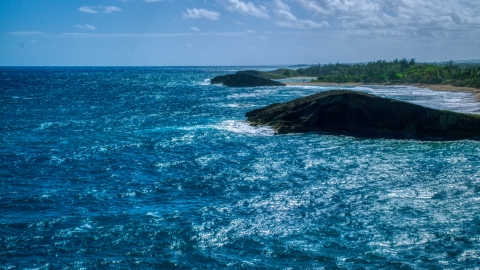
x=155, y=168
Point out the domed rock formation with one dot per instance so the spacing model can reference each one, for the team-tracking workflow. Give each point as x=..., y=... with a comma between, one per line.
x=244, y=80
x=360, y=114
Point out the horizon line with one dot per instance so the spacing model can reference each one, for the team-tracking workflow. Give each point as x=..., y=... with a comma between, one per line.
x=241, y=65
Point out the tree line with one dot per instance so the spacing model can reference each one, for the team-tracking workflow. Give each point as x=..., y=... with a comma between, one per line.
x=396, y=72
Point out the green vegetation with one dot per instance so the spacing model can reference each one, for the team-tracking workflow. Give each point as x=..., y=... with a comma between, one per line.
x=396, y=72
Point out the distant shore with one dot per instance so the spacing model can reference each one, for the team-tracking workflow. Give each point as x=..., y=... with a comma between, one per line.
x=437, y=87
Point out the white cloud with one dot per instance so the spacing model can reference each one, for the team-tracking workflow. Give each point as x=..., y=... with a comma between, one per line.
x=195, y=29
x=340, y=7
x=94, y=10
x=111, y=9
x=87, y=9
x=287, y=19
x=427, y=18
x=201, y=14
x=244, y=8
x=85, y=26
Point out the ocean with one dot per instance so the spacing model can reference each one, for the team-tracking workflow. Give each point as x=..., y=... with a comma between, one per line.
x=155, y=168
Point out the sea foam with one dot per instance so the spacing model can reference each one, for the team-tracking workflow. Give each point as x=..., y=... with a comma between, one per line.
x=243, y=127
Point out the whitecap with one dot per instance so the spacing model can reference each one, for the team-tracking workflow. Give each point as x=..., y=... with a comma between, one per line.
x=243, y=127
x=44, y=126
x=309, y=87
x=57, y=160
x=244, y=95
x=205, y=82
x=257, y=93
x=237, y=105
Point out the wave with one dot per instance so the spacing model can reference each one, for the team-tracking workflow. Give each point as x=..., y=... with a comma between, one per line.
x=243, y=127
x=205, y=82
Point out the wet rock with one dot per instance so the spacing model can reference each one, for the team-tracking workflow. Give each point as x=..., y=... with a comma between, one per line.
x=364, y=115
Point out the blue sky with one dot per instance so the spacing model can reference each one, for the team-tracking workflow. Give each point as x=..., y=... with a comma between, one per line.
x=235, y=32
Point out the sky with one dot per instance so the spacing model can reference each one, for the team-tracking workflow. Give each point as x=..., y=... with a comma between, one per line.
x=235, y=32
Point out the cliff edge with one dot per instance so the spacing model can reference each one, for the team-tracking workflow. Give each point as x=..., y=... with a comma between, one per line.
x=365, y=115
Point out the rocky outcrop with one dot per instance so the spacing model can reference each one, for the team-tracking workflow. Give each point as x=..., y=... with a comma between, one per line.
x=260, y=74
x=360, y=114
x=244, y=80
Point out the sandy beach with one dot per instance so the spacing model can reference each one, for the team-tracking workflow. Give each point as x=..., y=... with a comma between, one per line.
x=438, y=87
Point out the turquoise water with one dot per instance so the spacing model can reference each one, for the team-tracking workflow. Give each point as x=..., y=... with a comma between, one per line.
x=156, y=168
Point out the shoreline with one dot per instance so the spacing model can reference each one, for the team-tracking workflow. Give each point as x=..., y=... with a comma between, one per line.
x=436, y=87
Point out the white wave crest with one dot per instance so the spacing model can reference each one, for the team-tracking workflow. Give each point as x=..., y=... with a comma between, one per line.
x=244, y=127
x=44, y=126
x=205, y=82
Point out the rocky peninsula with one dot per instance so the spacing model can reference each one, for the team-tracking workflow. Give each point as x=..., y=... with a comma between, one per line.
x=245, y=79
x=365, y=115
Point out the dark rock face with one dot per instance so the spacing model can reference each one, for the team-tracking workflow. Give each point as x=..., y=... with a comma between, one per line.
x=256, y=73
x=365, y=115
x=244, y=80
x=272, y=75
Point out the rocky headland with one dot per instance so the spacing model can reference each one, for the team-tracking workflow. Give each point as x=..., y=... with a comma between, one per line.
x=245, y=79
x=365, y=115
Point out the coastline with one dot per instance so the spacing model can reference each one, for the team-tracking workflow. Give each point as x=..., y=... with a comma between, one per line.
x=436, y=87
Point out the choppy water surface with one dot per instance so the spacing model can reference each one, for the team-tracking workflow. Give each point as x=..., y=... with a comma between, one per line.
x=156, y=168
